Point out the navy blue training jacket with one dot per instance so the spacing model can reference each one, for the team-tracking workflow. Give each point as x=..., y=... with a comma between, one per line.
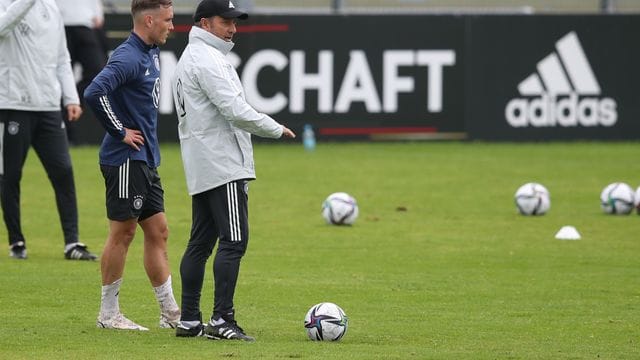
x=125, y=94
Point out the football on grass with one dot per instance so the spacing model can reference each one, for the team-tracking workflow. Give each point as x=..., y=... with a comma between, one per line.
x=617, y=198
x=532, y=199
x=325, y=322
x=340, y=209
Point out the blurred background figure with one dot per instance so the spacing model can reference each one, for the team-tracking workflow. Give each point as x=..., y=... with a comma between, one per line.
x=83, y=26
x=608, y=6
x=32, y=50
x=246, y=5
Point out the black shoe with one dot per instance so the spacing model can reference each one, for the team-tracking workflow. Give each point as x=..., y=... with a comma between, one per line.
x=228, y=330
x=79, y=252
x=18, y=250
x=182, y=331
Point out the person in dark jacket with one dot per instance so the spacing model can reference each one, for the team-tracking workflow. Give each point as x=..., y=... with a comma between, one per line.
x=124, y=97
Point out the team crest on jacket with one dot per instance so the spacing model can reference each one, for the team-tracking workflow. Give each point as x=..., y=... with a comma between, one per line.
x=156, y=93
x=24, y=28
x=156, y=61
x=13, y=128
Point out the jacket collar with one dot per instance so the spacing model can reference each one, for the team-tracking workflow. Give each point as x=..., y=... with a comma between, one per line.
x=199, y=35
x=135, y=39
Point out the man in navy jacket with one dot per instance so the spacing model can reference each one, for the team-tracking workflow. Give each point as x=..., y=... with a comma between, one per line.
x=124, y=98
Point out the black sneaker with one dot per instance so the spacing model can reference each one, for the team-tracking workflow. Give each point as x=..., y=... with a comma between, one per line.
x=79, y=252
x=183, y=331
x=228, y=330
x=18, y=250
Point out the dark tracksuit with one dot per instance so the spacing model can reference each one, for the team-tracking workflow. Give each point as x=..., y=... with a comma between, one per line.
x=44, y=130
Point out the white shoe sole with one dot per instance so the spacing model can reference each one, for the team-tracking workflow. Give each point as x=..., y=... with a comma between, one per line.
x=119, y=322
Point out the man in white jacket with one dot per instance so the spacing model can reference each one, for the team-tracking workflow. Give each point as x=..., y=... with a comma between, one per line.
x=215, y=127
x=36, y=75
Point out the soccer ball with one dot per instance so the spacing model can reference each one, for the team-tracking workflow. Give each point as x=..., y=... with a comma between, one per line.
x=636, y=200
x=325, y=322
x=340, y=209
x=617, y=198
x=532, y=199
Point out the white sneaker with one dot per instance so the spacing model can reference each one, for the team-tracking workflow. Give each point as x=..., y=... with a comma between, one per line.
x=170, y=319
x=120, y=322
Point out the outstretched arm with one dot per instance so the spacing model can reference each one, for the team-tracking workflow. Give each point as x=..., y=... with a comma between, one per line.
x=227, y=97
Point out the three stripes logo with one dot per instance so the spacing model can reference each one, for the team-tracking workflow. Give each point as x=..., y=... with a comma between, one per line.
x=563, y=92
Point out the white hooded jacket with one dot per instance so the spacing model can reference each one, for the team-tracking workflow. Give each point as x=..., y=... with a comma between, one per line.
x=215, y=122
x=35, y=67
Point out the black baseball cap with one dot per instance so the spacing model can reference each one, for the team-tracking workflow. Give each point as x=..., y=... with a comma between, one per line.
x=223, y=8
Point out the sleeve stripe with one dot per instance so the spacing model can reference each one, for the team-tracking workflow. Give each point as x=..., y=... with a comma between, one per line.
x=106, y=107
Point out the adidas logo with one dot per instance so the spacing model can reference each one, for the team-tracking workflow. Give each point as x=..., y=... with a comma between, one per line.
x=231, y=5
x=563, y=92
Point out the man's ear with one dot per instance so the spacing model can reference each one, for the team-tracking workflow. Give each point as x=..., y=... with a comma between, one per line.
x=148, y=20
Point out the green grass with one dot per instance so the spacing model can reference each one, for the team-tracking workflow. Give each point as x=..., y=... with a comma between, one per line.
x=458, y=275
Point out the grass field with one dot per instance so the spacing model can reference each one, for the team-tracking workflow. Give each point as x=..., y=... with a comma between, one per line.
x=458, y=275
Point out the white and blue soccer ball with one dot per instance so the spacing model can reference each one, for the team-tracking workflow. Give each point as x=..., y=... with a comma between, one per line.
x=532, y=199
x=340, y=208
x=326, y=322
x=617, y=198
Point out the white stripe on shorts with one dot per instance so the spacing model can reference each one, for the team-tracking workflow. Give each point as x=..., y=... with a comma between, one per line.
x=123, y=180
x=234, y=218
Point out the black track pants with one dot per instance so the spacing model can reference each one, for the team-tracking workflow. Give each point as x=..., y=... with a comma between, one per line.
x=218, y=214
x=45, y=132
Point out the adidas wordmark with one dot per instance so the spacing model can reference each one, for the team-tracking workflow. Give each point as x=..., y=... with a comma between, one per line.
x=564, y=92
